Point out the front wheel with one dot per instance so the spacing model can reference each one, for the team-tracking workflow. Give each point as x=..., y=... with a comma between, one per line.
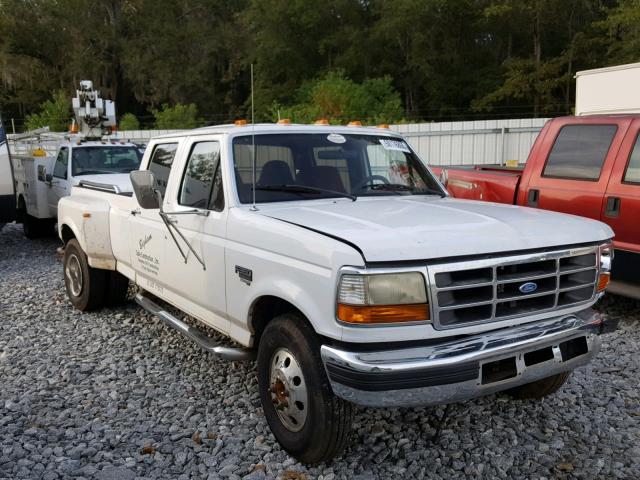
x=540, y=388
x=307, y=419
x=85, y=285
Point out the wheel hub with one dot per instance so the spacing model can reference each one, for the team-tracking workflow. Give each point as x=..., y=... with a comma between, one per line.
x=288, y=390
x=73, y=272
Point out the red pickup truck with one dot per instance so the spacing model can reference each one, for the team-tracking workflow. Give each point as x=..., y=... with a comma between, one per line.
x=588, y=166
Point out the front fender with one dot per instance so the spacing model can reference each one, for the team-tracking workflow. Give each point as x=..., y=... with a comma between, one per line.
x=88, y=219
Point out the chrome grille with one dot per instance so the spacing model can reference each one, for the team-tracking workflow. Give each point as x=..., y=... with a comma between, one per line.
x=489, y=290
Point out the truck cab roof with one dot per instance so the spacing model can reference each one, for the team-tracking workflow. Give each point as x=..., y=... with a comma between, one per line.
x=261, y=128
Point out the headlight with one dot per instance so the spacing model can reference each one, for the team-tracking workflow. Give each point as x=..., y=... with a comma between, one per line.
x=606, y=259
x=382, y=298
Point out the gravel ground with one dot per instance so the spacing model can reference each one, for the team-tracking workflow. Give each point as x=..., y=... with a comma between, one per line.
x=117, y=395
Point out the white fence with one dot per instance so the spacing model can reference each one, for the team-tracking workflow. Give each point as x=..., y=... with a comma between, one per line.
x=445, y=143
x=474, y=142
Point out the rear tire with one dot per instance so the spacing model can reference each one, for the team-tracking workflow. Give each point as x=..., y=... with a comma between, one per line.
x=307, y=419
x=540, y=388
x=86, y=286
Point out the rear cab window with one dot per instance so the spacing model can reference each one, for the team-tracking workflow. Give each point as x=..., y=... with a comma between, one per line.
x=160, y=163
x=579, y=152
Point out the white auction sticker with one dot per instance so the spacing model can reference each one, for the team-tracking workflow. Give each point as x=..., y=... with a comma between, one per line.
x=399, y=145
x=336, y=138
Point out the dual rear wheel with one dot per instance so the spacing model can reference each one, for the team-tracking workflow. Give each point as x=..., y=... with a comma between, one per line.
x=90, y=288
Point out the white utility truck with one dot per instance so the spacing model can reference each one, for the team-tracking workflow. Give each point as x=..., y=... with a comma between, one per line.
x=84, y=157
x=334, y=256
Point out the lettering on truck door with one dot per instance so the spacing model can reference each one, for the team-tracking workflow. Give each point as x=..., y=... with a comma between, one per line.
x=199, y=289
x=621, y=206
x=573, y=177
x=59, y=184
x=149, y=236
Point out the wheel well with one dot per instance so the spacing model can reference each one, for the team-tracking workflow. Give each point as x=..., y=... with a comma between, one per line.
x=67, y=234
x=264, y=310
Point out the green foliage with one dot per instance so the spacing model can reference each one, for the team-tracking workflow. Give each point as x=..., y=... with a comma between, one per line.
x=622, y=29
x=129, y=122
x=54, y=113
x=340, y=100
x=177, y=117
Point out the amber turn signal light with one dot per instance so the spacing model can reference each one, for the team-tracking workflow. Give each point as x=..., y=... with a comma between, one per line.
x=603, y=281
x=363, y=314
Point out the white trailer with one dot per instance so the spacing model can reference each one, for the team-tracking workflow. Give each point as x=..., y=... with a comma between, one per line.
x=608, y=91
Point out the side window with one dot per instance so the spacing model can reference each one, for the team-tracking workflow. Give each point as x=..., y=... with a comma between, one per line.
x=160, y=164
x=579, y=152
x=632, y=175
x=62, y=161
x=202, y=181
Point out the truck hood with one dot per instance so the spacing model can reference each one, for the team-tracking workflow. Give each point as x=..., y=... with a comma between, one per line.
x=425, y=227
x=120, y=180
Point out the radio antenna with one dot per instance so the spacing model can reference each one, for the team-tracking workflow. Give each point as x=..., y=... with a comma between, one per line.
x=253, y=146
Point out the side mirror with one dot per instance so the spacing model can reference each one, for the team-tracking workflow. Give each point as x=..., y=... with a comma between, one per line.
x=48, y=178
x=144, y=183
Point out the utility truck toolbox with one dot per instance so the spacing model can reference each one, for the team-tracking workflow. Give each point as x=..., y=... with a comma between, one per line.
x=334, y=258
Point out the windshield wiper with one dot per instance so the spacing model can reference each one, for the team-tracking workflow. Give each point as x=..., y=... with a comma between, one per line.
x=396, y=187
x=305, y=189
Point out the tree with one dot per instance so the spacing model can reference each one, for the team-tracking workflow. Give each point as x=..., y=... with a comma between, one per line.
x=129, y=122
x=54, y=113
x=340, y=100
x=622, y=30
x=177, y=117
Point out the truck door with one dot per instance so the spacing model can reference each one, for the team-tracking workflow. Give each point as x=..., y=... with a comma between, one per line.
x=573, y=176
x=149, y=234
x=59, y=183
x=621, y=206
x=196, y=197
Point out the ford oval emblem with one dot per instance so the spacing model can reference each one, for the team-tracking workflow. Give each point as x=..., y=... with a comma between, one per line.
x=528, y=287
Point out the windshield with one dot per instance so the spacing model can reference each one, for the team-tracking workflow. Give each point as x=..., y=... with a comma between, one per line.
x=104, y=159
x=311, y=166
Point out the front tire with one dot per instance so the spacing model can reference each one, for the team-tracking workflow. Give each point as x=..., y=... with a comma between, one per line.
x=307, y=419
x=540, y=388
x=85, y=285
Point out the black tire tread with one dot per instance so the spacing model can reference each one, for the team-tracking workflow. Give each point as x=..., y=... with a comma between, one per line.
x=97, y=281
x=340, y=412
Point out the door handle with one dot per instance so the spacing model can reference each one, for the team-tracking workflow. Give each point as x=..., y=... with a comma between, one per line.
x=533, y=197
x=612, y=209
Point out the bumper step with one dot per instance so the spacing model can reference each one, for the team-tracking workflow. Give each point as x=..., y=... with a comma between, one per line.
x=194, y=333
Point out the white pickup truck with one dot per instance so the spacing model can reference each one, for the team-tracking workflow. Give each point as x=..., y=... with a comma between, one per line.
x=41, y=181
x=335, y=257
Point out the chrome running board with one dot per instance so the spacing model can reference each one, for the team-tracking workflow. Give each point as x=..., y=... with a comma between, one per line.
x=194, y=333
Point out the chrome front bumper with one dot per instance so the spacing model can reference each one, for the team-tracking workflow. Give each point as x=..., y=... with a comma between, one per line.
x=458, y=370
